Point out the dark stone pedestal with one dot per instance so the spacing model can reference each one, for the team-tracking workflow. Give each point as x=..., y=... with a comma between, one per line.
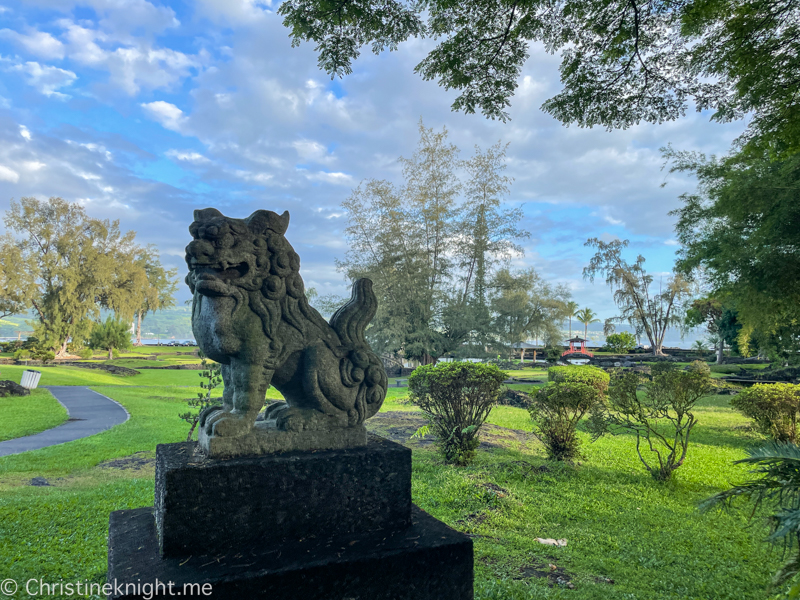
x=426, y=561
x=327, y=525
x=204, y=504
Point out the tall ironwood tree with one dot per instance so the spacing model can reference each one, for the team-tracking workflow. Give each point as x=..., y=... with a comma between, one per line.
x=653, y=307
x=74, y=265
x=525, y=306
x=424, y=249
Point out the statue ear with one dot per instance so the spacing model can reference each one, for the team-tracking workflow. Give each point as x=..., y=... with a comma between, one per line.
x=261, y=220
x=206, y=214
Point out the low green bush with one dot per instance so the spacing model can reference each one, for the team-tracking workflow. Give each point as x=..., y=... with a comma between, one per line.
x=556, y=410
x=43, y=355
x=774, y=408
x=456, y=398
x=620, y=343
x=698, y=366
x=22, y=354
x=593, y=376
x=658, y=410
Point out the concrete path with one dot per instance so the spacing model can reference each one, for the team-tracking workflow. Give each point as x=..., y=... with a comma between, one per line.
x=88, y=412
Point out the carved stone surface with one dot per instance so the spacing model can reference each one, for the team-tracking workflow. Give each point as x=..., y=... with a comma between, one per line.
x=266, y=438
x=208, y=505
x=250, y=313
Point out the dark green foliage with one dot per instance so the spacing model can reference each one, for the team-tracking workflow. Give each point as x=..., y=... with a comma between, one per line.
x=778, y=491
x=43, y=355
x=593, y=376
x=698, y=366
x=660, y=416
x=622, y=61
x=556, y=410
x=456, y=398
x=741, y=228
x=110, y=335
x=552, y=353
x=621, y=343
x=211, y=378
x=22, y=354
x=774, y=407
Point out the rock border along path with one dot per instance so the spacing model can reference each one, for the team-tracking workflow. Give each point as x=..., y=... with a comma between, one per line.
x=88, y=413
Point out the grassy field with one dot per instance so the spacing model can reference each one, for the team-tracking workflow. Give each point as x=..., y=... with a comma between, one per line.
x=620, y=526
x=27, y=415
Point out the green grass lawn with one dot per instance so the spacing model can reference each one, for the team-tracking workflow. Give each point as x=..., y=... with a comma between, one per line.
x=620, y=525
x=26, y=415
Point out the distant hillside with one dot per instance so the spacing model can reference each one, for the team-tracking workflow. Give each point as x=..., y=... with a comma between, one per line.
x=166, y=324
x=172, y=323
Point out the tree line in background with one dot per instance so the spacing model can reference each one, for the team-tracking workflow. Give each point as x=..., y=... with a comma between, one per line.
x=66, y=266
x=437, y=249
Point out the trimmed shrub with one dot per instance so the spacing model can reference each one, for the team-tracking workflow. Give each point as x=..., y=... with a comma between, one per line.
x=773, y=406
x=43, y=355
x=22, y=354
x=593, y=376
x=456, y=398
x=698, y=366
x=556, y=410
x=621, y=343
x=660, y=415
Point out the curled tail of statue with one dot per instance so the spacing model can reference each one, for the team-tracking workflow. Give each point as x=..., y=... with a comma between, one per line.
x=362, y=367
x=351, y=320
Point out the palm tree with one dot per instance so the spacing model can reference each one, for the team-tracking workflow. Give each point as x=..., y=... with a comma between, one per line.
x=571, y=309
x=587, y=317
x=778, y=491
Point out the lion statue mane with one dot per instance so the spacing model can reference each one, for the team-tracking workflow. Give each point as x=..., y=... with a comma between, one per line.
x=250, y=313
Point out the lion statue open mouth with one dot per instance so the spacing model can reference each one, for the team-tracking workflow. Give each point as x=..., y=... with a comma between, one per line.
x=250, y=314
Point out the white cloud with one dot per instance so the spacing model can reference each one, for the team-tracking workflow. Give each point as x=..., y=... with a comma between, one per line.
x=671, y=243
x=333, y=178
x=187, y=156
x=7, y=174
x=168, y=115
x=38, y=43
x=238, y=12
x=24, y=132
x=46, y=79
x=132, y=66
x=309, y=150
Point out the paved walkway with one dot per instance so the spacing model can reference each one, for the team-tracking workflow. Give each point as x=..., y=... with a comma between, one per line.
x=89, y=413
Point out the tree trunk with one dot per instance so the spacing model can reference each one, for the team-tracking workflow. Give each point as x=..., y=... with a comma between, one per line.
x=62, y=351
x=720, y=351
x=110, y=354
x=522, y=355
x=138, y=341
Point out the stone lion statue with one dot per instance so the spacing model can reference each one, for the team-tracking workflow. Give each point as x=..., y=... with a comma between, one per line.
x=250, y=314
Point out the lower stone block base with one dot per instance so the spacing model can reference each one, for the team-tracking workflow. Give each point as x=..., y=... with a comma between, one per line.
x=427, y=561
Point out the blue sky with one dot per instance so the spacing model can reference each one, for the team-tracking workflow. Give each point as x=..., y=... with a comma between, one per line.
x=144, y=110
